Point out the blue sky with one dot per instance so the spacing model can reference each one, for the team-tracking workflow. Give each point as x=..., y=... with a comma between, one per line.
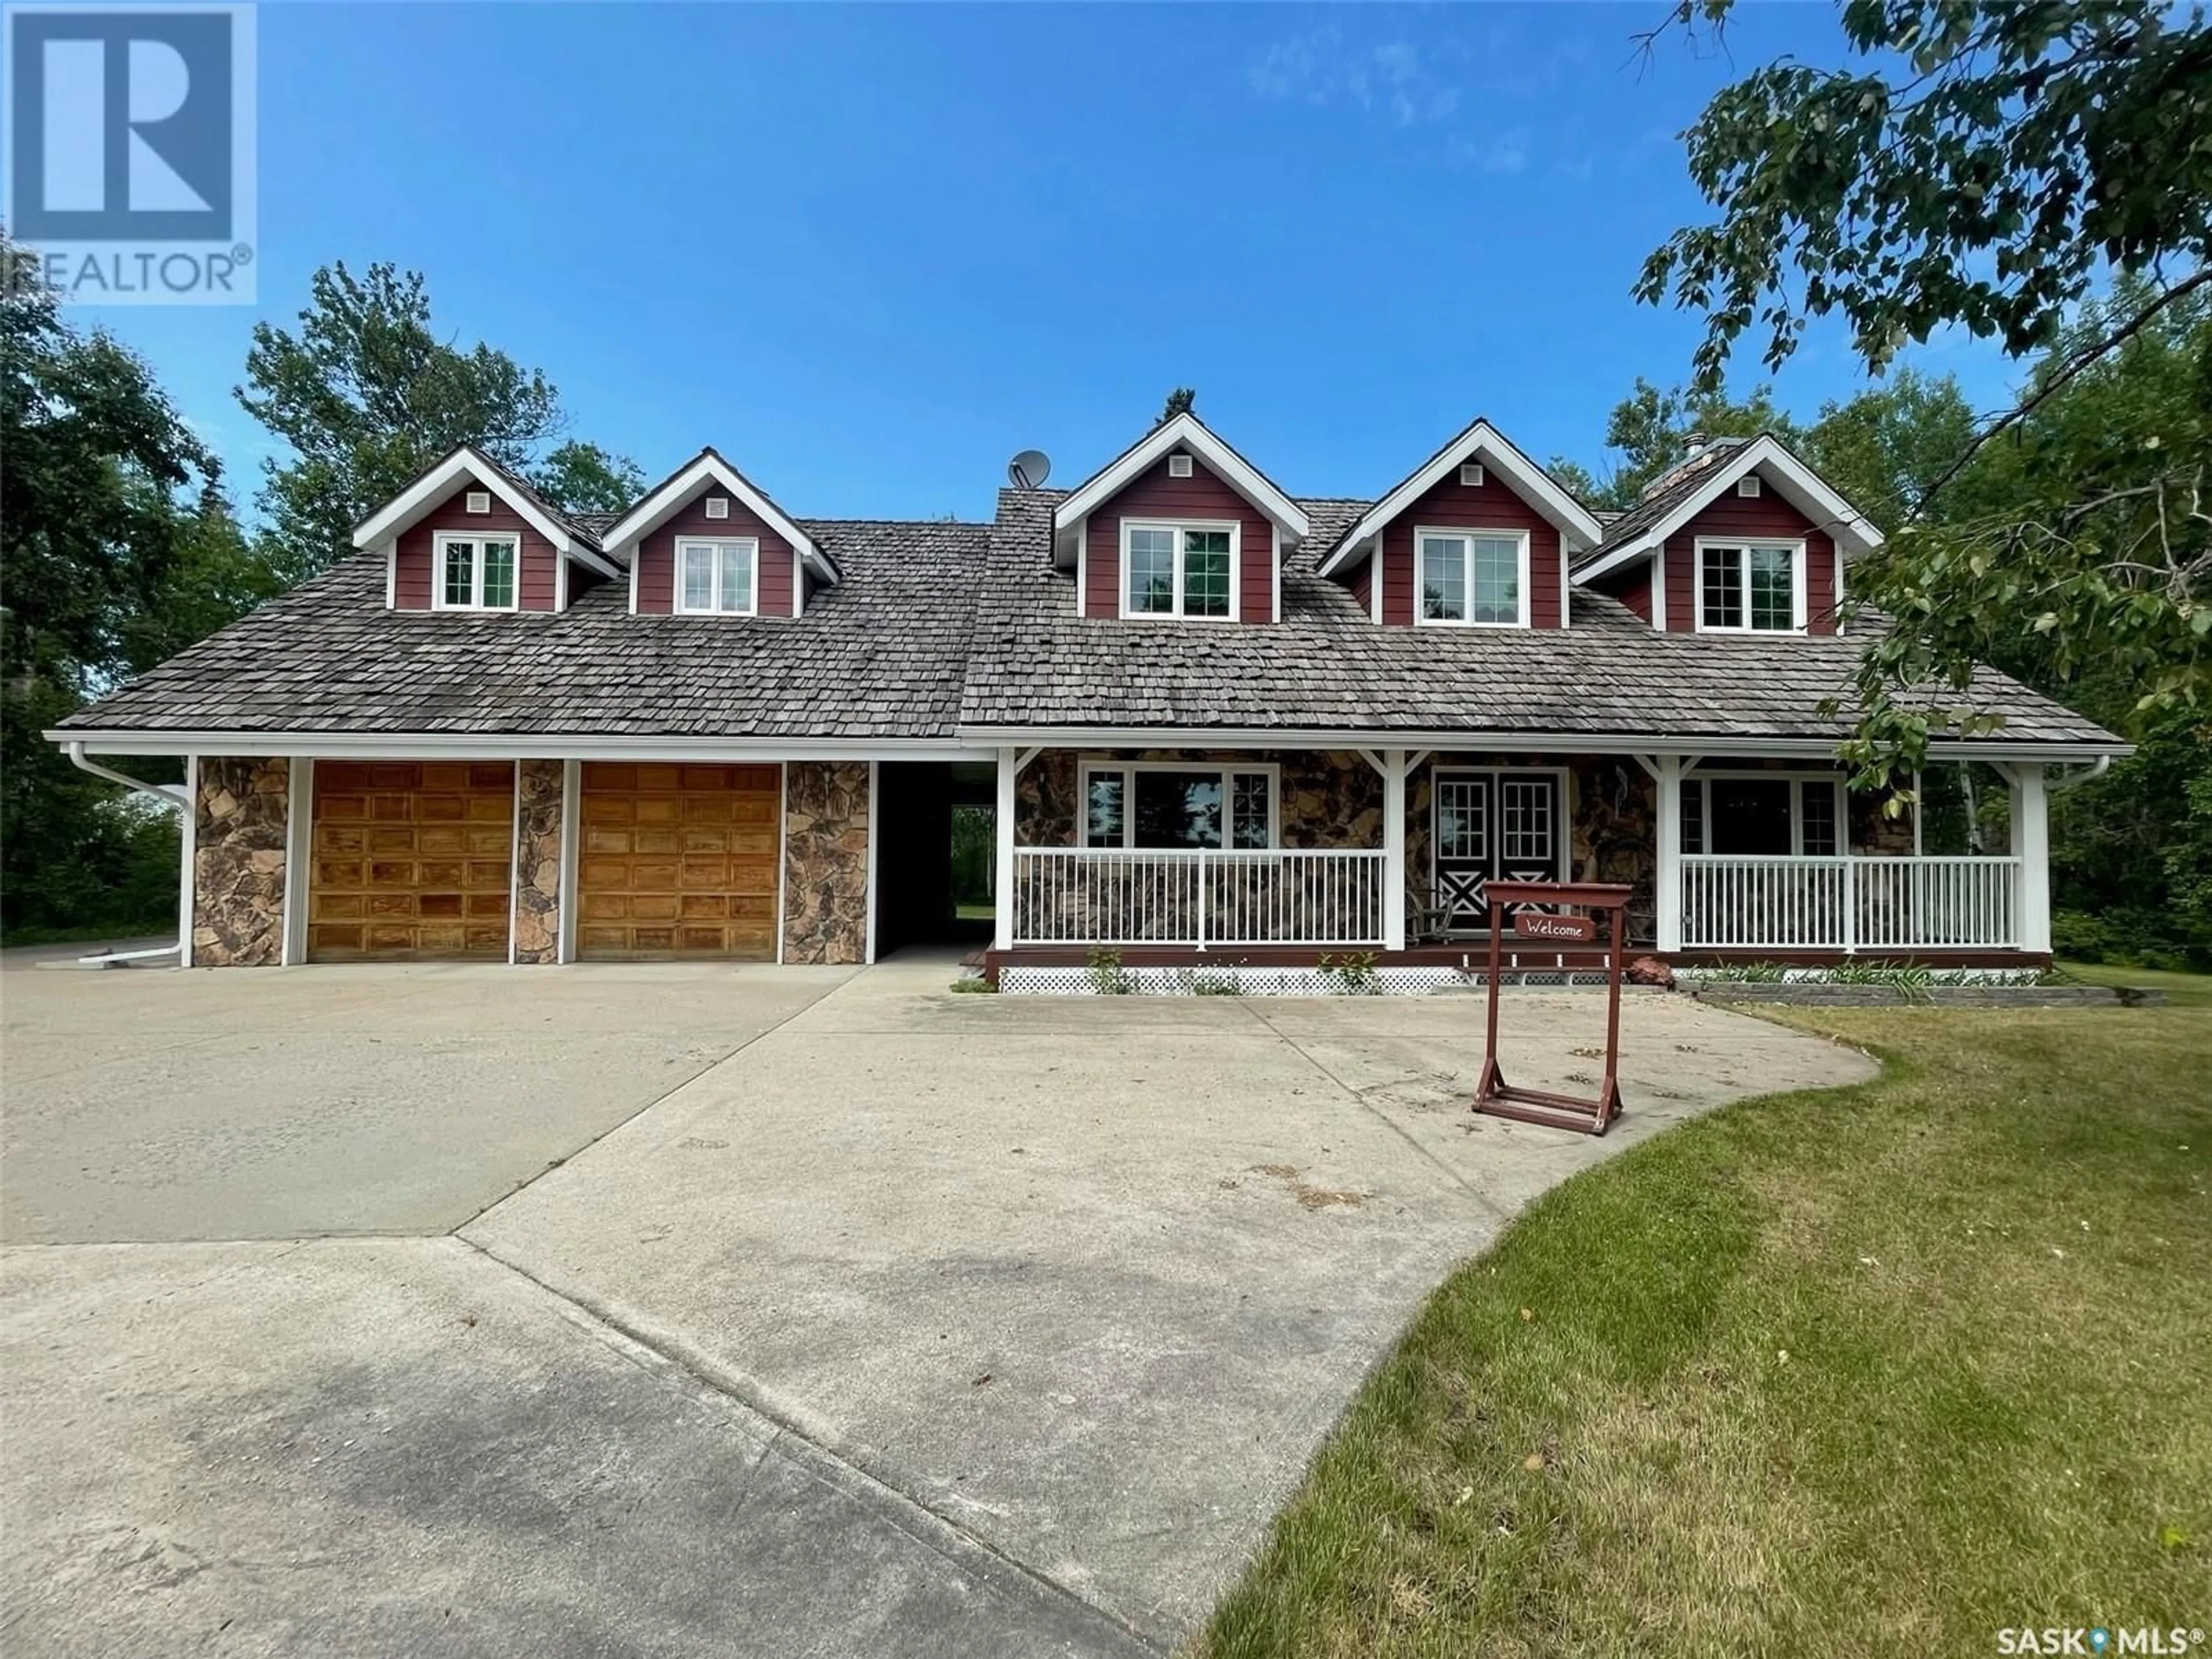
x=870, y=252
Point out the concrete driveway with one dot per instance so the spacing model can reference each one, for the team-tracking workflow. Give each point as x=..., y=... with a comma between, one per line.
x=727, y=1310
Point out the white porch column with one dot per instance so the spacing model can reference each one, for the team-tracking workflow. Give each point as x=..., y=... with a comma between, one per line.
x=2031, y=845
x=1668, y=880
x=1394, y=849
x=1002, y=827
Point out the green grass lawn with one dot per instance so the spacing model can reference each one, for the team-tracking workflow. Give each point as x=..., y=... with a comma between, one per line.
x=2182, y=990
x=1877, y=1369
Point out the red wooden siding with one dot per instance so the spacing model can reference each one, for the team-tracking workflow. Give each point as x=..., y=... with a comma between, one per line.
x=1153, y=494
x=537, y=584
x=1764, y=517
x=1489, y=505
x=656, y=556
x=1362, y=584
x=1632, y=588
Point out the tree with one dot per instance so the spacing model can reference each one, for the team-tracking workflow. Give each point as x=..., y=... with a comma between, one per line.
x=1652, y=431
x=367, y=398
x=1180, y=402
x=2036, y=175
x=106, y=568
x=1885, y=448
x=582, y=477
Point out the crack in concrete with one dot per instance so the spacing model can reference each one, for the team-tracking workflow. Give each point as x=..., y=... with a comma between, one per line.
x=892, y=1502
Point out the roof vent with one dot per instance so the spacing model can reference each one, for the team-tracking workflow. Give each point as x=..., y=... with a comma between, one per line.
x=718, y=506
x=1470, y=474
x=1029, y=469
x=1749, y=486
x=478, y=501
x=1178, y=466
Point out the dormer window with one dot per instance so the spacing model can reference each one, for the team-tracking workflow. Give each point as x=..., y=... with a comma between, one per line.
x=1751, y=588
x=1177, y=569
x=718, y=578
x=1472, y=578
x=477, y=572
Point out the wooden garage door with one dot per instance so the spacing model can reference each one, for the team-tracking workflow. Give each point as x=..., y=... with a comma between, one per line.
x=677, y=861
x=411, y=861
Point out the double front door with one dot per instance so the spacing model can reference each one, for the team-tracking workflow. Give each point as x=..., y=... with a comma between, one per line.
x=1493, y=824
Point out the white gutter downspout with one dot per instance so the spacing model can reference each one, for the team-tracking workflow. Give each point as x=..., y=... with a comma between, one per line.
x=169, y=794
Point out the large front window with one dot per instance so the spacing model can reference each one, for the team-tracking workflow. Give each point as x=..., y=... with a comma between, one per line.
x=1471, y=576
x=476, y=573
x=716, y=577
x=1774, y=815
x=1176, y=569
x=1749, y=588
x=1178, y=807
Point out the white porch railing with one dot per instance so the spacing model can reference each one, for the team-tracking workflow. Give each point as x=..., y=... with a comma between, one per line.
x=1850, y=904
x=1097, y=896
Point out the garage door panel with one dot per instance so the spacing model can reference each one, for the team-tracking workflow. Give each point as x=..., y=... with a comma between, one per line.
x=433, y=875
x=679, y=860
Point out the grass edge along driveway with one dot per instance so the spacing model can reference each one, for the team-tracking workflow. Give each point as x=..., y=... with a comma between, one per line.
x=1889, y=1368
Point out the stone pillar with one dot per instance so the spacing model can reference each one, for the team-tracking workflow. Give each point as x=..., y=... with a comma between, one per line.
x=825, y=861
x=537, y=813
x=239, y=816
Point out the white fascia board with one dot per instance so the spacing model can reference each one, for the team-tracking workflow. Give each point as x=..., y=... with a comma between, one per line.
x=1485, y=443
x=1801, y=486
x=1184, y=431
x=650, y=513
x=491, y=746
x=1578, y=743
x=409, y=506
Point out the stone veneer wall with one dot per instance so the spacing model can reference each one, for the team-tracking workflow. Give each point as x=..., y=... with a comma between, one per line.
x=825, y=861
x=239, y=816
x=538, y=800
x=1329, y=799
x=1613, y=819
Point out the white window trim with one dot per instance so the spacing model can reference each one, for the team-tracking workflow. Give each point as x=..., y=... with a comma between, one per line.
x=1797, y=596
x=441, y=539
x=1222, y=769
x=1797, y=780
x=1421, y=533
x=1176, y=527
x=718, y=542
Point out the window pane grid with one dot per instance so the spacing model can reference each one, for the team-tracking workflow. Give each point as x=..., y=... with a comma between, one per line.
x=460, y=573
x=1816, y=819
x=498, y=575
x=1152, y=571
x=1251, y=811
x=737, y=579
x=1444, y=578
x=1496, y=580
x=1724, y=583
x=1772, y=605
x=1206, y=573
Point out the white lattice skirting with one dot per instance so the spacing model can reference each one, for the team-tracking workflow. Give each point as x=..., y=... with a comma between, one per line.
x=1073, y=981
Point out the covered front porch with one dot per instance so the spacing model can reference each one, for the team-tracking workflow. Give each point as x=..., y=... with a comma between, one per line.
x=1280, y=856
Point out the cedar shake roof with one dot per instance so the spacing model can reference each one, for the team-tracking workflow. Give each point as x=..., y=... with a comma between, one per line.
x=938, y=626
x=1327, y=666
x=878, y=655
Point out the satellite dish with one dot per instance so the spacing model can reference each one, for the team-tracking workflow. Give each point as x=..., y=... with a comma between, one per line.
x=1029, y=469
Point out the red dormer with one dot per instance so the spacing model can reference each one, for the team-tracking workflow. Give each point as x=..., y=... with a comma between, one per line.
x=1478, y=536
x=1178, y=527
x=468, y=535
x=1741, y=539
x=706, y=542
